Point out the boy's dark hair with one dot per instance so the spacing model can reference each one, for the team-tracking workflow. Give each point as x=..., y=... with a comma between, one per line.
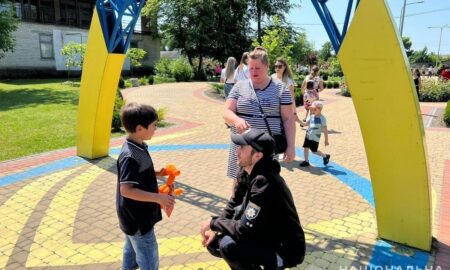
x=134, y=114
x=310, y=84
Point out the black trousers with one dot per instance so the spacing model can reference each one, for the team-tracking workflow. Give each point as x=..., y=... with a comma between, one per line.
x=243, y=255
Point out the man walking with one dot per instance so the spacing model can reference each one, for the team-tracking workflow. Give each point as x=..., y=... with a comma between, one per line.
x=260, y=225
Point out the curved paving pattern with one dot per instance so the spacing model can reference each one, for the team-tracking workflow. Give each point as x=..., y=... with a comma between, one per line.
x=58, y=210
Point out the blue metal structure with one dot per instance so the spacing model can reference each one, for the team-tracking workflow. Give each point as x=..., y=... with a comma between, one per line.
x=118, y=19
x=336, y=37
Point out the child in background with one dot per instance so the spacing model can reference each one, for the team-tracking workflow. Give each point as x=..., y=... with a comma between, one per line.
x=309, y=96
x=317, y=124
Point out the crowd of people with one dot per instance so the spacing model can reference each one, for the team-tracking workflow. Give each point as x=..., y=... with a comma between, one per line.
x=260, y=226
x=443, y=73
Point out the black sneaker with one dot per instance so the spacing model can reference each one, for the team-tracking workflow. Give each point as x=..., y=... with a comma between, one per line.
x=304, y=164
x=326, y=159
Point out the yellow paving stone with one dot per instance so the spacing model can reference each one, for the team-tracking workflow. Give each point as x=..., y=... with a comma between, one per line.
x=214, y=265
x=22, y=212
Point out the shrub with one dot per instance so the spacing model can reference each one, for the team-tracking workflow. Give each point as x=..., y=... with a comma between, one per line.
x=328, y=84
x=121, y=83
x=301, y=78
x=298, y=97
x=128, y=84
x=325, y=74
x=345, y=92
x=434, y=91
x=182, y=70
x=151, y=79
x=162, y=117
x=118, y=103
x=200, y=76
x=143, y=81
x=447, y=114
x=218, y=88
x=163, y=67
x=159, y=80
x=335, y=84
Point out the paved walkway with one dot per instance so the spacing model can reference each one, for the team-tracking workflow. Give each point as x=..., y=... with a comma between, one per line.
x=58, y=210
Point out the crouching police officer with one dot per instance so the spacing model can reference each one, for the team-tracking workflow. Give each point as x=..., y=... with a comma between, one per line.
x=260, y=225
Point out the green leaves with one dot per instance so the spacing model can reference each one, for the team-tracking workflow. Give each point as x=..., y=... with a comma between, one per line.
x=74, y=53
x=135, y=55
x=276, y=42
x=8, y=24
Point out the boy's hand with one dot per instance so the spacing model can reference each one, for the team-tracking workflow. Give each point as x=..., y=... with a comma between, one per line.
x=161, y=172
x=166, y=200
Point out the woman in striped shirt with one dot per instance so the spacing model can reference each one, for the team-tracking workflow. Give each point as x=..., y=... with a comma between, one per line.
x=242, y=110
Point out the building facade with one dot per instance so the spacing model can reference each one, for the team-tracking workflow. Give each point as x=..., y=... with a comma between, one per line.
x=47, y=25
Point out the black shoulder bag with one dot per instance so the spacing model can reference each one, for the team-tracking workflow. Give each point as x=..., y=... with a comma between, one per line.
x=280, y=139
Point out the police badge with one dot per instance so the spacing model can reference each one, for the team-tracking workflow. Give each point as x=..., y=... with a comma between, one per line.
x=252, y=211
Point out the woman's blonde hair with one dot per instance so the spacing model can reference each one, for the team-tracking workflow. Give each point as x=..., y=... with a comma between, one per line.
x=287, y=73
x=261, y=54
x=243, y=62
x=230, y=68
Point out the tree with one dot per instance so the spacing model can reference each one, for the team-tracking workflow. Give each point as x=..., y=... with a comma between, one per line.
x=269, y=8
x=135, y=55
x=74, y=53
x=207, y=28
x=407, y=43
x=421, y=56
x=276, y=41
x=8, y=24
x=326, y=51
x=335, y=67
x=301, y=48
x=311, y=59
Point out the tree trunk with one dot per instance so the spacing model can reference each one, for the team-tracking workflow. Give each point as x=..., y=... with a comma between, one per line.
x=258, y=14
x=200, y=62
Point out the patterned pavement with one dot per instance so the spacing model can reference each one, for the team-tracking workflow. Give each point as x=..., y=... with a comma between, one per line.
x=58, y=210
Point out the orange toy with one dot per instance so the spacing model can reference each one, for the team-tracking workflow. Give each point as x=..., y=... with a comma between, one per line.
x=169, y=188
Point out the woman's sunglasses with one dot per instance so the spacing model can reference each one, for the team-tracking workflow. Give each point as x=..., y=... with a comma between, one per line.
x=279, y=66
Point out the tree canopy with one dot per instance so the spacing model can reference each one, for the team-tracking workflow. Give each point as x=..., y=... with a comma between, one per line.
x=269, y=8
x=8, y=24
x=203, y=28
x=326, y=51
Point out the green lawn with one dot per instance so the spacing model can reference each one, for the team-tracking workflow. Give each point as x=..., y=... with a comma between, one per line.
x=36, y=116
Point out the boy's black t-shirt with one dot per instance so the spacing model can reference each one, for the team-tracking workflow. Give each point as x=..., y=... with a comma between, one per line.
x=135, y=166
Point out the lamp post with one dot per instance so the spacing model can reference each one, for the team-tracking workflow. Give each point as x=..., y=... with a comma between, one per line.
x=440, y=39
x=402, y=15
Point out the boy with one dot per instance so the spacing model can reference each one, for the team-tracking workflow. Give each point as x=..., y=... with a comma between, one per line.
x=316, y=125
x=137, y=199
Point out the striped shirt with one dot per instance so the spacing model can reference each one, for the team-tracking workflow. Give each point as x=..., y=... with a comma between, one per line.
x=270, y=98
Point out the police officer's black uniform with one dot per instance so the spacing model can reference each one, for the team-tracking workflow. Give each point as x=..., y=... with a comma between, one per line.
x=259, y=222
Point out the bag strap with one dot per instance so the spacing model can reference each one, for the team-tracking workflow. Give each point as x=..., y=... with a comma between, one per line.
x=263, y=115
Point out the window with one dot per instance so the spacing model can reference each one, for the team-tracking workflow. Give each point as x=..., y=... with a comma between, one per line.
x=46, y=46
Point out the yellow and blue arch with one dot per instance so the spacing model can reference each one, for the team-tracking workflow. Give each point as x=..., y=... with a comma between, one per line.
x=110, y=34
x=377, y=73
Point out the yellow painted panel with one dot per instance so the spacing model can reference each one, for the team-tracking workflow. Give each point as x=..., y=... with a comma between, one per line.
x=101, y=73
x=378, y=76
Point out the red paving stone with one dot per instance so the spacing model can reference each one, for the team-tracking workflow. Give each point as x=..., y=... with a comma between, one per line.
x=443, y=250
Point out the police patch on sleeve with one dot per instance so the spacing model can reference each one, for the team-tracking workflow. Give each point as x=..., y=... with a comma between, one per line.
x=252, y=211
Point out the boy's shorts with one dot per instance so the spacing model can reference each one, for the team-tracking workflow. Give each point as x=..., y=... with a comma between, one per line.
x=313, y=145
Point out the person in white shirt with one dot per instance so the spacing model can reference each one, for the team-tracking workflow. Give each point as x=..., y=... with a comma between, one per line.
x=242, y=72
x=227, y=75
x=283, y=73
